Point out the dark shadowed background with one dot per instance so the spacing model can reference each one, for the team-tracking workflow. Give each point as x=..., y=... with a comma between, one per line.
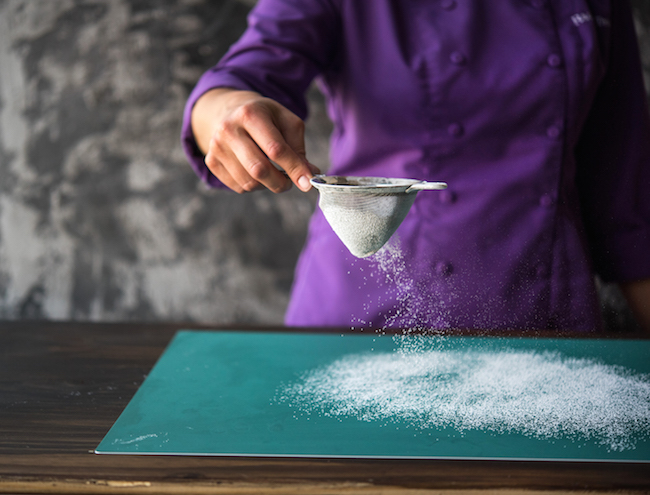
x=101, y=218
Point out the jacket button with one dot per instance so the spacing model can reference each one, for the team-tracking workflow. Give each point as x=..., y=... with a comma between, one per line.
x=455, y=130
x=448, y=4
x=443, y=268
x=553, y=132
x=446, y=197
x=546, y=201
x=457, y=58
x=554, y=60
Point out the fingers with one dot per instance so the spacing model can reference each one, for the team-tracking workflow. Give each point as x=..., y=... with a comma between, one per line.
x=237, y=161
x=221, y=172
x=249, y=133
x=283, y=142
x=248, y=165
x=297, y=166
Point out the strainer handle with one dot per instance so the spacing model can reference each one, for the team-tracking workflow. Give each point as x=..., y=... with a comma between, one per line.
x=426, y=186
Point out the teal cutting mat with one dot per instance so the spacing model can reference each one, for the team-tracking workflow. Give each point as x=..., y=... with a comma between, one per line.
x=326, y=395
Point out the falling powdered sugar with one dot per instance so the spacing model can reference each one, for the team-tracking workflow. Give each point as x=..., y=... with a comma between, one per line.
x=414, y=306
x=544, y=395
x=541, y=395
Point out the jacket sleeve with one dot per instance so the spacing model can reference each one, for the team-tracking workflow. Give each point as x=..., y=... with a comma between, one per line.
x=286, y=45
x=613, y=158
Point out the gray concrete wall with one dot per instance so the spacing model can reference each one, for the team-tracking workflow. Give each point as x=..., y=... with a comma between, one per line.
x=100, y=216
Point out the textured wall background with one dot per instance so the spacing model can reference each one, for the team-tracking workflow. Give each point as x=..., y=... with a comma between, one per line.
x=100, y=216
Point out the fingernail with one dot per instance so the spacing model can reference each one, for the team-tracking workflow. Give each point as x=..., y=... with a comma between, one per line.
x=303, y=183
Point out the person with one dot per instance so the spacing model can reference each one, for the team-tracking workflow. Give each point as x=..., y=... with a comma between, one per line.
x=533, y=111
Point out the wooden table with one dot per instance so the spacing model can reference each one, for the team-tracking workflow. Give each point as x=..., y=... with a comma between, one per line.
x=62, y=385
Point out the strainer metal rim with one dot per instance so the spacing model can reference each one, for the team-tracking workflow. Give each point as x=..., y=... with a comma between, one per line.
x=365, y=184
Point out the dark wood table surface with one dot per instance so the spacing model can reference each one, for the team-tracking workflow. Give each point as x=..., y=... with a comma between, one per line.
x=62, y=385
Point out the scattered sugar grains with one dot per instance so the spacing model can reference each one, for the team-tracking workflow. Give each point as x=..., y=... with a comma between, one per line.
x=414, y=309
x=543, y=395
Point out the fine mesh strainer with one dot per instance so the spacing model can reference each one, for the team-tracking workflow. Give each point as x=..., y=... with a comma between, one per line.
x=365, y=211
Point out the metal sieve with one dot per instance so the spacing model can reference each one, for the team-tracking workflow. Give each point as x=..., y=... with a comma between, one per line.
x=365, y=212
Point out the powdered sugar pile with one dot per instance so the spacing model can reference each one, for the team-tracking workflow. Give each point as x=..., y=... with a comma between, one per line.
x=430, y=386
x=543, y=395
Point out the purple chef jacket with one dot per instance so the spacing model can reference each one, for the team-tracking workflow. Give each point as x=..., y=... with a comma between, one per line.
x=534, y=113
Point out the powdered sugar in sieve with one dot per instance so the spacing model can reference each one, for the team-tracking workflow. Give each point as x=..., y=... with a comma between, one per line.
x=365, y=212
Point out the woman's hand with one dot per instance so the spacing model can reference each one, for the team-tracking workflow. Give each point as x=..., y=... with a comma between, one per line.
x=241, y=132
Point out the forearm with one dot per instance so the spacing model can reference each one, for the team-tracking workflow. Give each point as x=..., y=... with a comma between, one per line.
x=638, y=297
